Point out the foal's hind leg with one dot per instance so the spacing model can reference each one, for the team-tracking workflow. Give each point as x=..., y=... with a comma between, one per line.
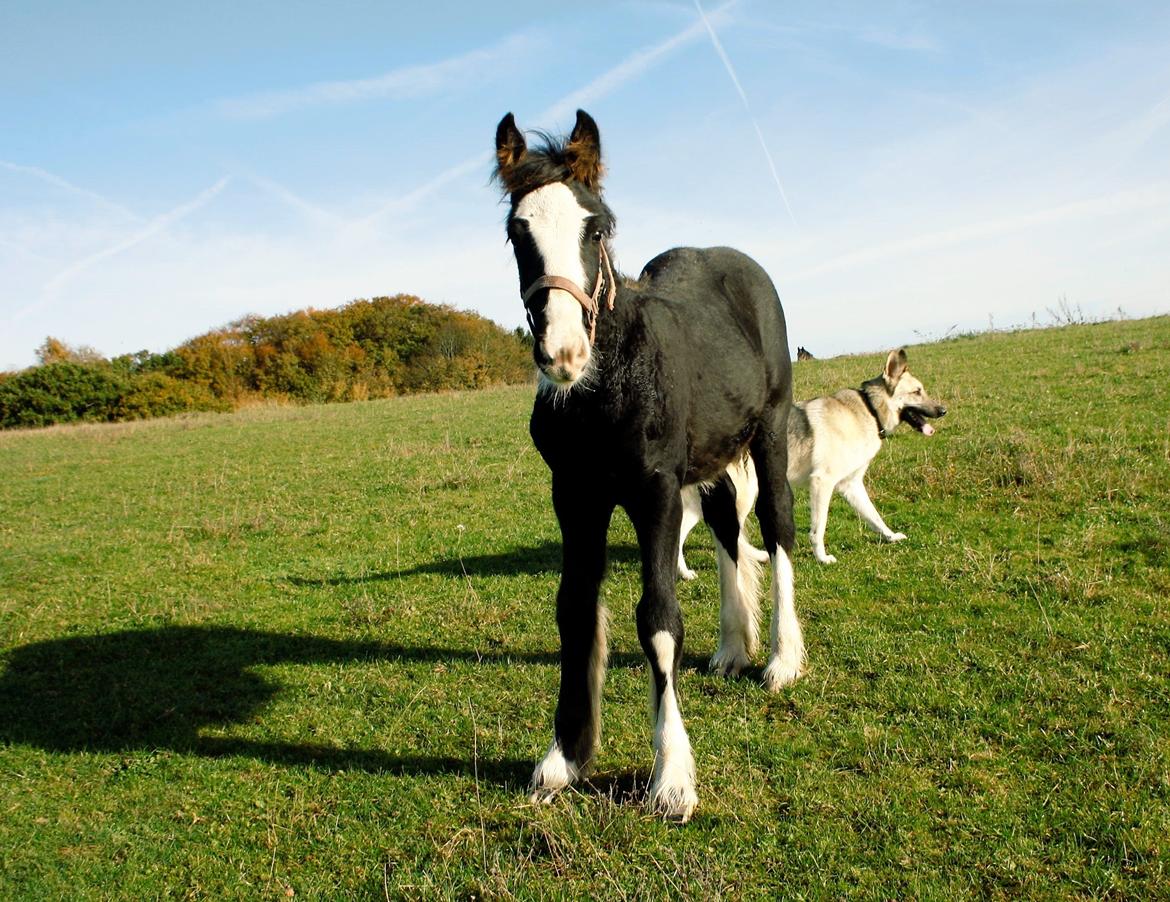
x=739, y=579
x=656, y=514
x=774, y=509
x=581, y=621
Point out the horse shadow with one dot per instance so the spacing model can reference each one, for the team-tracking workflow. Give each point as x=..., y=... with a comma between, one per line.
x=534, y=560
x=144, y=690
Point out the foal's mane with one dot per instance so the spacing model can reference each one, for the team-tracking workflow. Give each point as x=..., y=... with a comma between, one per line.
x=542, y=164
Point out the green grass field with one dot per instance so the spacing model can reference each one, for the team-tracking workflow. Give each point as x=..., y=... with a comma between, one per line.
x=311, y=652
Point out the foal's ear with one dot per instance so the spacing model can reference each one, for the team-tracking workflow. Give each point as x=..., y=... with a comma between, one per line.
x=510, y=148
x=583, y=152
x=895, y=366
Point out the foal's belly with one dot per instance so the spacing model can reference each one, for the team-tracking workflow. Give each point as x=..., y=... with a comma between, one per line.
x=707, y=460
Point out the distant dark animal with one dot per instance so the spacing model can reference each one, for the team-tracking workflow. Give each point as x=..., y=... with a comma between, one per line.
x=645, y=387
x=803, y=353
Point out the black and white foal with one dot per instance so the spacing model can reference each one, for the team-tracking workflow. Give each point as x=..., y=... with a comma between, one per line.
x=646, y=387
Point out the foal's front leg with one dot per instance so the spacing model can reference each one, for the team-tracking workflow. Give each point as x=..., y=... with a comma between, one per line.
x=656, y=515
x=581, y=621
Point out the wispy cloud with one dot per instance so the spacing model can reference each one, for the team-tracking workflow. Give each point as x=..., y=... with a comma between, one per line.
x=22, y=250
x=403, y=83
x=747, y=106
x=1156, y=195
x=900, y=40
x=154, y=227
x=58, y=182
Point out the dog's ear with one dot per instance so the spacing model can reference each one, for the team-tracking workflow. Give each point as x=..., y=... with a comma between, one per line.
x=510, y=150
x=583, y=152
x=895, y=366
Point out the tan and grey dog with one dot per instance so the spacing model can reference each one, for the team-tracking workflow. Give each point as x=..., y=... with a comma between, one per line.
x=831, y=442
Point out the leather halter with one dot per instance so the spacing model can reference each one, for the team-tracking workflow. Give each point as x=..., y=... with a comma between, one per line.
x=588, y=302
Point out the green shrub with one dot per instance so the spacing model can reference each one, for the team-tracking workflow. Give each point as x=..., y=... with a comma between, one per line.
x=160, y=395
x=60, y=392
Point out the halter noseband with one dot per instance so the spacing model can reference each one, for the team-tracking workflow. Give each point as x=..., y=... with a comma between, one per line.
x=589, y=303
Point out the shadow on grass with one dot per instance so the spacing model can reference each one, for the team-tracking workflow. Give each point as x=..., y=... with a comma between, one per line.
x=161, y=688
x=533, y=560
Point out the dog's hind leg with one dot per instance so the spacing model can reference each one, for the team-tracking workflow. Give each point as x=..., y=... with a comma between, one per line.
x=739, y=581
x=692, y=514
x=774, y=509
x=853, y=491
x=747, y=490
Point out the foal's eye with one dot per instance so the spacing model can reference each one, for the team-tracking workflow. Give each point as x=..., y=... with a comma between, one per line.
x=596, y=236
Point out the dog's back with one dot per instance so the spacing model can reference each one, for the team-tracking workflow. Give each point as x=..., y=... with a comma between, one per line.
x=832, y=434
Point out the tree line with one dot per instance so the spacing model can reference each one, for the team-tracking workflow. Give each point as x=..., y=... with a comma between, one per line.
x=374, y=348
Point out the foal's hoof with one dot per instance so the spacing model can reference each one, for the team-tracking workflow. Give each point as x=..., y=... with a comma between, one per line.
x=728, y=662
x=552, y=774
x=783, y=671
x=542, y=795
x=673, y=803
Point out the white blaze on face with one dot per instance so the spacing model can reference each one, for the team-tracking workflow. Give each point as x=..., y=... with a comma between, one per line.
x=556, y=222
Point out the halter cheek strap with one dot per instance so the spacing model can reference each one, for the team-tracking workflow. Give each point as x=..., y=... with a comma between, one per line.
x=588, y=302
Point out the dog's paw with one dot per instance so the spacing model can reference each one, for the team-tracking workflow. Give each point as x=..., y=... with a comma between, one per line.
x=826, y=558
x=686, y=573
x=756, y=554
x=895, y=537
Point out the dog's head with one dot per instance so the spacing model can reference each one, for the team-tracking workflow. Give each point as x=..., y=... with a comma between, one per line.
x=908, y=396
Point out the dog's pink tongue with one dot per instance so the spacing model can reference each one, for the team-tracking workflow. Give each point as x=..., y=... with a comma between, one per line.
x=927, y=429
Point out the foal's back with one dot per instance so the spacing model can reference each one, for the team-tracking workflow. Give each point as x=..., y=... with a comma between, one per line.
x=719, y=311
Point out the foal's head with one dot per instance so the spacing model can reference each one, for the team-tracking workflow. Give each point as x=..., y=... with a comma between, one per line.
x=558, y=225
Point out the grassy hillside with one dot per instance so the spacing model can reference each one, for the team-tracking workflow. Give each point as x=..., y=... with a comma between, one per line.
x=311, y=651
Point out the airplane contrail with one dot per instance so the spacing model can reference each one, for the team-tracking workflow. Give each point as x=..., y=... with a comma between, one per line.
x=152, y=228
x=59, y=182
x=747, y=106
x=638, y=62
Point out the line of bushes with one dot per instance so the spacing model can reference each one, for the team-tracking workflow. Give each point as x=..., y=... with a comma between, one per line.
x=367, y=349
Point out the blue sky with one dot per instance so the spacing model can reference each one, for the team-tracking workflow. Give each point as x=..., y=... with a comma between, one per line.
x=900, y=169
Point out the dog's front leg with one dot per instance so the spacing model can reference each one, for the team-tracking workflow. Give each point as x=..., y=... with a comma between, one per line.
x=854, y=492
x=820, y=493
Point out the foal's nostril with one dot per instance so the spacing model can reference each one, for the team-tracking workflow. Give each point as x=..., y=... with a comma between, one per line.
x=541, y=355
x=572, y=355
